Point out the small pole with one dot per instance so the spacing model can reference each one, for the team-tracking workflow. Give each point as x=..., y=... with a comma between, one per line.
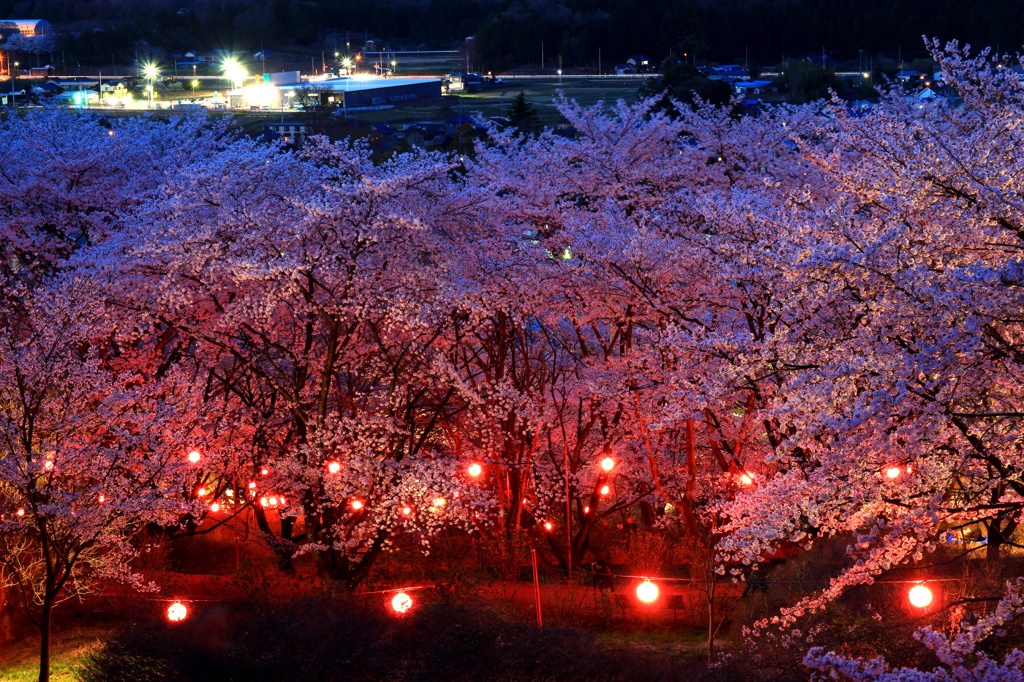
x=536, y=590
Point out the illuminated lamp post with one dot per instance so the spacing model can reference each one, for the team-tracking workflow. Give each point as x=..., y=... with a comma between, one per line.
x=234, y=72
x=150, y=71
x=195, y=84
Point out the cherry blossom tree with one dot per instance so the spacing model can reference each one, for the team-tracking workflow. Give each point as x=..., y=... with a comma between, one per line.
x=899, y=339
x=302, y=288
x=88, y=454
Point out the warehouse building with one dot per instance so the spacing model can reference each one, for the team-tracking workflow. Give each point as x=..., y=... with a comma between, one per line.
x=285, y=90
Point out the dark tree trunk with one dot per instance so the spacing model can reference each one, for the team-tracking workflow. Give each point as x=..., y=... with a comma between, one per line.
x=44, y=640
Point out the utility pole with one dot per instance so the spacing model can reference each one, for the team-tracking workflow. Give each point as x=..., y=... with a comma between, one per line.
x=598, y=61
x=542, y=55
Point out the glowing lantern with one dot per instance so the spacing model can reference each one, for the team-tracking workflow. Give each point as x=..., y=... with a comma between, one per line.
x=101, y=498
x=475, y=470
x=401, y=602
x=647, y=592
x=586, y=510
x=605, y=490
x=215, y=507
x=201, y=492
x=48, y=465
x=440, y=502
x=920, y=596
x=264, y=471
x=406, y=511
x=547, y=525
x=195, y=456
x=21, y=512
x=892, y=472
x=273, y=501
x=263, y=502
x=333, y=467
x=177, y=612
x=607, y=463
x=746, y=479
x=252, y=485
x=280, y=501
x=357, y=505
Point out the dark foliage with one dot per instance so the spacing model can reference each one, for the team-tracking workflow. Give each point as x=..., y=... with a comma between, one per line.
x=510, y=32
x=684, y=83
x=523, y=115
x=326, y=639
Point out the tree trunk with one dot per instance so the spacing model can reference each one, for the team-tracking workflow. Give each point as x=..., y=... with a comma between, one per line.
x=994, y=543
x=44, y=640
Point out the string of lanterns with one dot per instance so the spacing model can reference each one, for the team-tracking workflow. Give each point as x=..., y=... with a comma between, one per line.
x=919, y=596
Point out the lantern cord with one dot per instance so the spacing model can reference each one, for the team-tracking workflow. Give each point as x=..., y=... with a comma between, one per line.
x=401, y=589
x=757, y=581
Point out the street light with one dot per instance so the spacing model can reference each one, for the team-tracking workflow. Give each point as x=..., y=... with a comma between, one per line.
x=234, y=72
x=195, y=84
x=150, y=71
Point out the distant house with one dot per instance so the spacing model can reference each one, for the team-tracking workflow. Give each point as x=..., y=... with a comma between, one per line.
x=753, y=87
x=293, y=132
x=730, y=73
x=48, y=88
x=41, y=71
x=909, y=76
x=859, y=107
x=641, y=63
x=623, y=69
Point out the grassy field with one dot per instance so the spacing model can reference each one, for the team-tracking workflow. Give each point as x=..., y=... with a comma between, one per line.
x=542, y=93
x=19, y=661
